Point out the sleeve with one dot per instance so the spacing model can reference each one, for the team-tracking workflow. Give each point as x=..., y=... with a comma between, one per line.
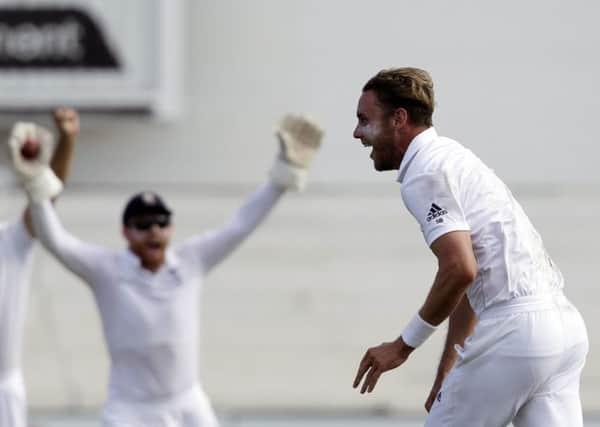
x=212, y=247
x=83, y=259
x=19, y=236
x=16, y=244
x=431, y=200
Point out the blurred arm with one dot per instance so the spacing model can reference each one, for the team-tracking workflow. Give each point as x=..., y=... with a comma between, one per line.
x=67, y=125
x=216, y=245
x=79, y=257
x=299, y=140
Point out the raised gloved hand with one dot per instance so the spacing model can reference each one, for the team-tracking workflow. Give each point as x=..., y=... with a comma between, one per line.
x=299, y=139
x=31, y=148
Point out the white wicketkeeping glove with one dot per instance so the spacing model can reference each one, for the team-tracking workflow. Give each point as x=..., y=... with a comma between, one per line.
x=35, y=174
x=299, y=139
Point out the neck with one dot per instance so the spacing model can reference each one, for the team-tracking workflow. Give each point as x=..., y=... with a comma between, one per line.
x=152, y=266
x=409, y=134
x=404, y=138
x=413, y=132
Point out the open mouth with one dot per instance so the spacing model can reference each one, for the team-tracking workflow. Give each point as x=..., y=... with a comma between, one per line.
x=154, y=245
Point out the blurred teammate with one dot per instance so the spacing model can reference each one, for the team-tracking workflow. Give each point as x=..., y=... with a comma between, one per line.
x=526, y=343
x=16, y=244
x=148, y=295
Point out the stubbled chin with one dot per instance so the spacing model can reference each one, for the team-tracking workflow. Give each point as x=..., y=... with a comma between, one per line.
x=154, y=252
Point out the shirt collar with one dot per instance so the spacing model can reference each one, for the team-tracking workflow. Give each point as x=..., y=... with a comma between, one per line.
x=414, y=147
x=131, y=259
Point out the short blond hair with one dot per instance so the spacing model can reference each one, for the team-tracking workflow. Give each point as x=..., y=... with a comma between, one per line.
x=408, y=88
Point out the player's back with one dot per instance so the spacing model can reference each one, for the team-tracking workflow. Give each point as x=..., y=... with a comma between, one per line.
x=510, y=253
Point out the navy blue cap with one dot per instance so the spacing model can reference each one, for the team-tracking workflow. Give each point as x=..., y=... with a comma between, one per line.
x=144, y=203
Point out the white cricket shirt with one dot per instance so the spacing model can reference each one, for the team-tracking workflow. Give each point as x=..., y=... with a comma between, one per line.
x=447, y=188
x=15, y=272
x=150, y=320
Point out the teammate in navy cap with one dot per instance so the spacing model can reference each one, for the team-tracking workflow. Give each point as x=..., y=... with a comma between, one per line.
x=149, y=294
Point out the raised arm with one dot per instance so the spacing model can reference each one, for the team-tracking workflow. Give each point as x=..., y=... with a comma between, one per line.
x=42, y=185
x=299, y=138
x=67, y=125
x=214, y=246
x=83, y=259
x=66, y=121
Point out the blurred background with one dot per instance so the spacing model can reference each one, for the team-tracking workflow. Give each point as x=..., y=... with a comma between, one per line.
x=181, y=96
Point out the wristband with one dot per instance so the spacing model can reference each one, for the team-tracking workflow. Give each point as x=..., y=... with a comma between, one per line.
x=417, y=331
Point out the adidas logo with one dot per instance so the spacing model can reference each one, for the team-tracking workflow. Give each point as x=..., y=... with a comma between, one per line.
x=435, y=212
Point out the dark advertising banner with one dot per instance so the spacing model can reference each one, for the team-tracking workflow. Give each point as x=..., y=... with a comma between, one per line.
x=97, y=55
x=53, y=38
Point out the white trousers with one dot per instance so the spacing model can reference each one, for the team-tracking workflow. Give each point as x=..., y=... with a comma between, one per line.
x=13, y=411
x=188, y=409
x=522, y=364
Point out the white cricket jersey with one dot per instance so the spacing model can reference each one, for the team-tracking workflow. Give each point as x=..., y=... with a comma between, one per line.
x=447, y=188
x=150, y=320
x=15, y=272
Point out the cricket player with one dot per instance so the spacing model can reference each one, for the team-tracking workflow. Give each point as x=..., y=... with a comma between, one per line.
x=16, y=245
x=148, y=295
x=516, y=346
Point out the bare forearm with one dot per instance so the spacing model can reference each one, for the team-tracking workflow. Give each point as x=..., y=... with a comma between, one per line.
x=457, y=268
x=460, y=325
x=67, y=125
x=29, y=222
x=63, y=154
x=446, y=292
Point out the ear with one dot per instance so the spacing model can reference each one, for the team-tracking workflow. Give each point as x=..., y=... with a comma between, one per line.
x=400, y=117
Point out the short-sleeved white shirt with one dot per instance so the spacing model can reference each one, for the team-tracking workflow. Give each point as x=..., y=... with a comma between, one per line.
x=447, y=188
x=15, y=271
